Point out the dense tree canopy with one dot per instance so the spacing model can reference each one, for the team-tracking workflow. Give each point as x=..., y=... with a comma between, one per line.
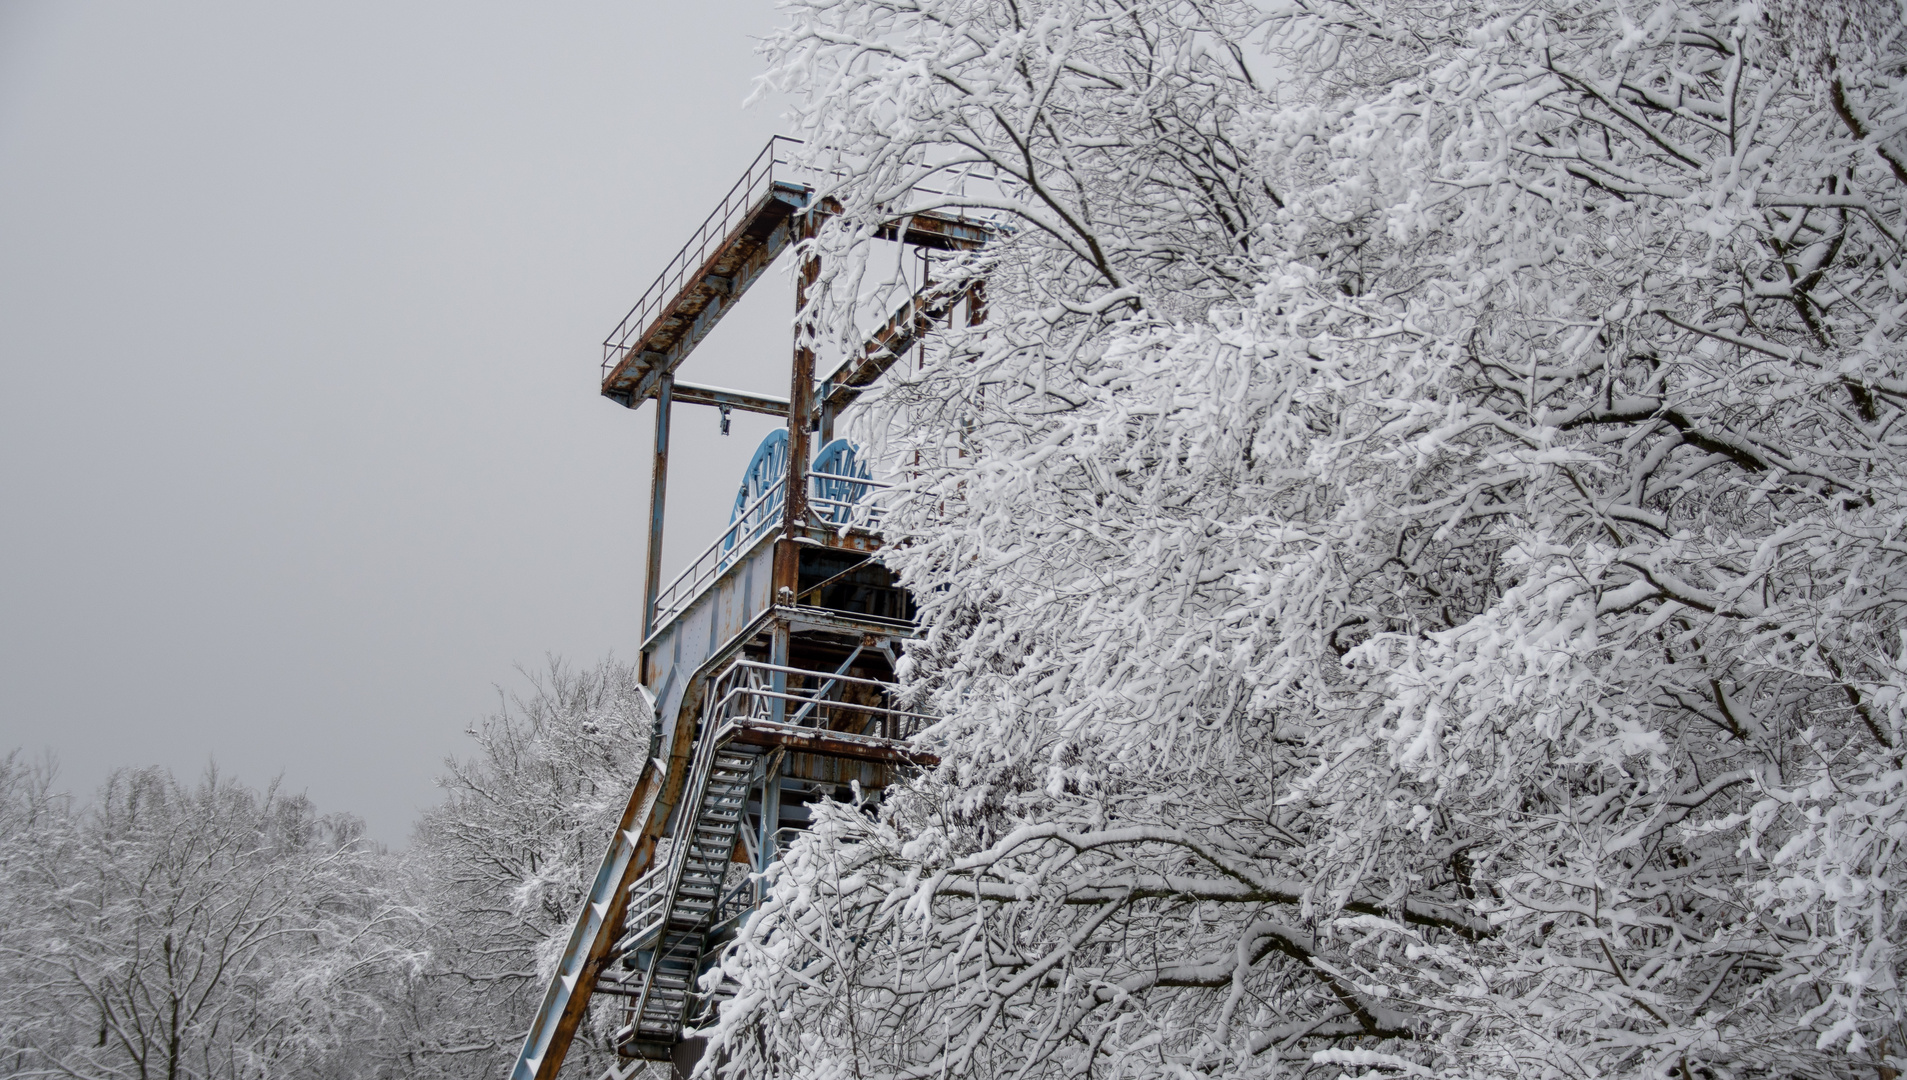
x=1413, y=560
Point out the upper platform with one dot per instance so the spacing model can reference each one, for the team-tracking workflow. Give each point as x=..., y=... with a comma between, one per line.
x=754, y=223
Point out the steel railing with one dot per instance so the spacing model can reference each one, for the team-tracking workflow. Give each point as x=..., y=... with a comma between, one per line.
x=755, y=520
x=834, y=701
x=842, y=502
x=755, y=184
x=848, y=502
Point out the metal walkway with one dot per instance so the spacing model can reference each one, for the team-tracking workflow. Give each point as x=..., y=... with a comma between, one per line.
x=753, y=224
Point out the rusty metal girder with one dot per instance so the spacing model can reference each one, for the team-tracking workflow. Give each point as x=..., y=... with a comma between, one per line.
x=885, y=347
x=696, y=394
x=927, y=229
x=735, y=265
x=823, y=743
x=566, y=1000
x=727, y=254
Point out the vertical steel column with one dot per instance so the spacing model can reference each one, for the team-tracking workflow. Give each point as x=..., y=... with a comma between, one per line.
x=801, y=400
x=778, y=642
x=770, y=822
x=794, y=522
x=658, y=493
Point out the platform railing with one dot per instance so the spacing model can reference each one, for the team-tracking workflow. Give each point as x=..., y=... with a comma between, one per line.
x=759, y=691
x=841, y=502
x=757, y=181
x=730, y=545
x=848, y=502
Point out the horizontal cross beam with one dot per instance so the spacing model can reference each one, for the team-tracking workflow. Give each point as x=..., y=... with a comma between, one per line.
x=696, y=394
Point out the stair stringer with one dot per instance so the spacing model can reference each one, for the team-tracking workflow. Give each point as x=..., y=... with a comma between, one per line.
x=627, y=860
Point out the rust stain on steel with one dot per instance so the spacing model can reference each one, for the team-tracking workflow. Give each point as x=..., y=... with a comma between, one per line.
x=927, y=229
x=707, y=294
x=658, y=493
x=794, y=498
x=837, y=771
x=824, y=743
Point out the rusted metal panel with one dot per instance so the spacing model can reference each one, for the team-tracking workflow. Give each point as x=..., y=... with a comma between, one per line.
x=851, y=539
x=745, y=594
x=803, y=619
x=928, y=229
x=837, y=771
x=800, y=405
x=939, y=232
x=824, y=743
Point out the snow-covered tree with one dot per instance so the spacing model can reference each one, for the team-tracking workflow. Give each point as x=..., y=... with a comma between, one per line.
x=171, y=931
x=498, y=871
x=162, y=930
x=1412, y=562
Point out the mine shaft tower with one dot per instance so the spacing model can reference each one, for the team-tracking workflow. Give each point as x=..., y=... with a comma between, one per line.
x=771, y=657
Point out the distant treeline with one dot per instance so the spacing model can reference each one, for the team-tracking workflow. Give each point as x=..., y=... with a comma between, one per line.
x=166, y=928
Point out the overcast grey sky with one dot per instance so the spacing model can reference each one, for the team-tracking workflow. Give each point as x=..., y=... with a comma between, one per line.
x=300, y=446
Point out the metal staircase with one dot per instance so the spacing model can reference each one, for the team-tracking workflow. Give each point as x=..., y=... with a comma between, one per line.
x=760, y=726
x=673, y=907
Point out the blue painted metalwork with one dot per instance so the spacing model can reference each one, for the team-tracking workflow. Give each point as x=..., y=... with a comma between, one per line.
x=835, y=469
x=752, y=512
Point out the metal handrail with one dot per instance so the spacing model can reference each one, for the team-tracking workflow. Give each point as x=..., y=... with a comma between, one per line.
x=702, y=570
x=735, y=696
x=811, y=699
x=764, y=665
x=735, y=205
x=690, y=806
x=731, y=543
x=862, y=480
x=646, y=898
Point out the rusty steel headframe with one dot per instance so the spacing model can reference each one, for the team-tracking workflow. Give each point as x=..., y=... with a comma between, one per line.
x=767, y=211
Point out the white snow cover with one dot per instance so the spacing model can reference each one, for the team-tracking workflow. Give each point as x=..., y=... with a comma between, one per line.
x=1413, y=560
